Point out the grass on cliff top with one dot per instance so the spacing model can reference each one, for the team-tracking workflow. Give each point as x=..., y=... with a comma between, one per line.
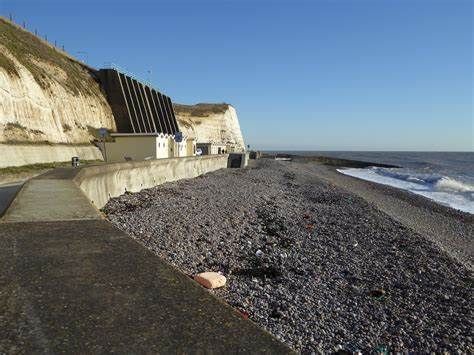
x=201, y=109
x=25, y=46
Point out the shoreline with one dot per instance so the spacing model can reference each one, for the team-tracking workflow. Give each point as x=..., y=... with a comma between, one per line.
x=449, y=228
x=422, y=214
x=336, y=271
x=357, y=164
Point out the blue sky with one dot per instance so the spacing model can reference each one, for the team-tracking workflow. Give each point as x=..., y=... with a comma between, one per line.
x=303, y=75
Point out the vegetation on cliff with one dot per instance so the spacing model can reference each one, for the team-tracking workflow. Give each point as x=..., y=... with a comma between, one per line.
x=39, y=58
x=201, y=109
x=46, y=96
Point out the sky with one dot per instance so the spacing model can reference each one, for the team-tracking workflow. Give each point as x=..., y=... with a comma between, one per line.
x=302, y=74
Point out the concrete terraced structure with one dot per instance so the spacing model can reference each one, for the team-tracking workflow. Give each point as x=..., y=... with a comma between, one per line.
x=137, y=107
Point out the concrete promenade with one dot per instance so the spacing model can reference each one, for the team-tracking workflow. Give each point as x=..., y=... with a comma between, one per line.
x=71, y=282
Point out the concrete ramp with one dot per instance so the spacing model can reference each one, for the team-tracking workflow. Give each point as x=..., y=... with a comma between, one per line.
x=50, y=200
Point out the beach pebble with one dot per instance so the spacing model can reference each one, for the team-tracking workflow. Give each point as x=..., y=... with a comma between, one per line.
x=378, y=292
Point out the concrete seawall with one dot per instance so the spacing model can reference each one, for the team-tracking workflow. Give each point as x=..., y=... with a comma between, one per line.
x=102, y=182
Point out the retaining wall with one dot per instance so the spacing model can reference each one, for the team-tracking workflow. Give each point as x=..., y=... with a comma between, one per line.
x=17, y=154
x=238, y=160
x=137, y=107
x=102, y=182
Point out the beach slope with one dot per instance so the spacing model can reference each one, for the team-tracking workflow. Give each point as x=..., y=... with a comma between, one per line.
x=324, y=262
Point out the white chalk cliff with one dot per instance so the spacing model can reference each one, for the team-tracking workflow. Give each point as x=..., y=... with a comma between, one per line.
x=211, y=123
x=51, y=105
x=46, y=96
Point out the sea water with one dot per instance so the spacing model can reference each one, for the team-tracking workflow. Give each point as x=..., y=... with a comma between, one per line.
x=445, y=177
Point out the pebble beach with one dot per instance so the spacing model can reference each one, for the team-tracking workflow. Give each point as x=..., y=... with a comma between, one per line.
x=314, y=264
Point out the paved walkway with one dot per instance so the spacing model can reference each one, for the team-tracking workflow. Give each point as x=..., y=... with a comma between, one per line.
x=7, y=194
x=83, y=286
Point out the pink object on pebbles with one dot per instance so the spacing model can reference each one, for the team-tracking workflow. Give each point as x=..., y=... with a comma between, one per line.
x=210, y=279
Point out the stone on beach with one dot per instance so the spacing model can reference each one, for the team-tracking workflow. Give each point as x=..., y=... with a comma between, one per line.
x=210, y=279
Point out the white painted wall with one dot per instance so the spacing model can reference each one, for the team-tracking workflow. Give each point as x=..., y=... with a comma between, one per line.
x=162, y=146
x=218, y=148
x=141, y=147
x=190, y=147
x=137, y=148
x=181, y=149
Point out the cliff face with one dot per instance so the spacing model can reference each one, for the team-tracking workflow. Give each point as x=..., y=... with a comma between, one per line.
x=51, y=105
x=211, y=123
x=46, y=96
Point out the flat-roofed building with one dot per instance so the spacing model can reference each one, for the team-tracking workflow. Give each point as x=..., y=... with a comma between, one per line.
x=212, y=148
x=144, y=146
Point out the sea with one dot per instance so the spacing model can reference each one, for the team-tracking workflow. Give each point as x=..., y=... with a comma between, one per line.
x=445, y=177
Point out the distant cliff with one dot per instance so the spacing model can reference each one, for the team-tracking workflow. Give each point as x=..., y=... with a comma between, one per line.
x=211, y=123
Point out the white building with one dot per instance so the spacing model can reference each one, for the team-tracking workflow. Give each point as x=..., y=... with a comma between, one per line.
x=144, y=146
